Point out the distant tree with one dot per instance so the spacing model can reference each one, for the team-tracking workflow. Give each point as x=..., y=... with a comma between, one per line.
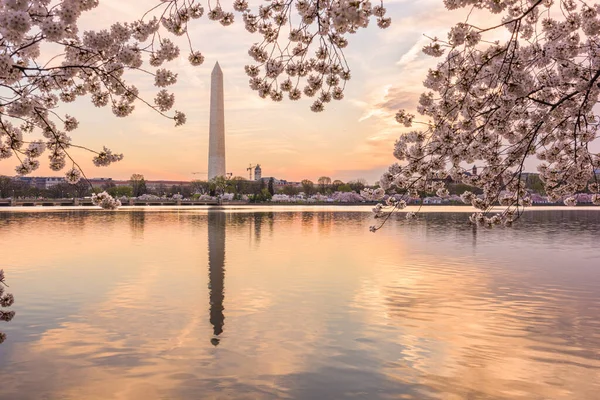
x=236, y=185
x=217, y=185
x=184, y=190
x=138, y=184
x=358, y=184
x=6, y=186
x=344, y=188
x=120, y=191
x=108, y=184
x=271, y=186
x=81, y=189
x=161, y=189
x=200, y=187
x=60, y=191
x=308, y=187
x=336, y=184
x=14, y=188
x=324, y=183
x=261, y=197
x=290, y=190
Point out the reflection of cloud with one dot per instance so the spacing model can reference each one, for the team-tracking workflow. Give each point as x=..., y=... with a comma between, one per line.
x=468, y=330
x=397, y=98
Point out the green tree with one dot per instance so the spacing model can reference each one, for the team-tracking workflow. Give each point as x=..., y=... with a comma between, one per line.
x=261, y=197
x=335, y=185
x=344, y=188
x=120, y=191
x=217, y=185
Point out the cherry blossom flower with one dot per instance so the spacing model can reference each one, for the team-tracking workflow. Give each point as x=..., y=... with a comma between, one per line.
x=105, y=201
x=73, y=176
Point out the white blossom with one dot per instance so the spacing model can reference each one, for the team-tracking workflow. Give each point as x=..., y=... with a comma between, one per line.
x=73, y=176
x=106, y=157
x=106, y=201
x=570, y=201
x=179, y=118
x=164, y=100
x=196, y=58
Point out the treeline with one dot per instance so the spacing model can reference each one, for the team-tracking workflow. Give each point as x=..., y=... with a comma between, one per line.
x=261, y=190
x=10, y=187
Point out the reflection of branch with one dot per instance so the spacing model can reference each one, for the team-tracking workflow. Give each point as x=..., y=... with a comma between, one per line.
x=6, y=300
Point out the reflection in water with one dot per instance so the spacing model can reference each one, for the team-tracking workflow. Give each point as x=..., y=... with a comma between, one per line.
x=321, y=309
x=136, y=221
x=258, y=221
x=216, y=271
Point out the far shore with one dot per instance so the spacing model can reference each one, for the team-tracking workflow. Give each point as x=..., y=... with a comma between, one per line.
x=237, y=206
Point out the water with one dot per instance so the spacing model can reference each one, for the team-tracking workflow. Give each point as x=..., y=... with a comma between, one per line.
x=299, y=303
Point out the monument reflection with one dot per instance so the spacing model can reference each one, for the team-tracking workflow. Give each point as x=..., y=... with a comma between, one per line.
x=216, y=272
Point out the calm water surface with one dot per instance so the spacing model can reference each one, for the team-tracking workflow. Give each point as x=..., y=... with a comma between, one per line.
x=299, y=303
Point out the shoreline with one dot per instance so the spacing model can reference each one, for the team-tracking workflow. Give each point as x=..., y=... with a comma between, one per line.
x=289, y=207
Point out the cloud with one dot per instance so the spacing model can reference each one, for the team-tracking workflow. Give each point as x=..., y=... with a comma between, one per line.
x=414, y=52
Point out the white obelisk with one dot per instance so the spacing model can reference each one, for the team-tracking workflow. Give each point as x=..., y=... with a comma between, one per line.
x=216, y=145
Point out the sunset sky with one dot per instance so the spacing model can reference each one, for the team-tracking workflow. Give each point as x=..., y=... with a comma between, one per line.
x=351, y=139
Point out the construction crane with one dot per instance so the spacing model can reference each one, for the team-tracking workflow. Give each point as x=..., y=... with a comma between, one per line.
x=249, y=169
x=199, y=173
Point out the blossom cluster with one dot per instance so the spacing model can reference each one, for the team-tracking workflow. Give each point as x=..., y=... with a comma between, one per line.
x=106, y=201
x=6, y=300
x=312, y=64
x=373, y=194
x=497, y=103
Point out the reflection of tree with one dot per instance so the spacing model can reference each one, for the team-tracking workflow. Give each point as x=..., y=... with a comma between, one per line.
x=216, y=271
x=258, y=221
x=325, y=220
x=137, y=220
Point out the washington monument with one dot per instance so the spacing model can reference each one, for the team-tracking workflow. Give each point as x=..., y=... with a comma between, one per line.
x=216, y=145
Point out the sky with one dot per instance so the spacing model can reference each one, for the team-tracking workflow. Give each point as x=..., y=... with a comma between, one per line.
x=351, y=139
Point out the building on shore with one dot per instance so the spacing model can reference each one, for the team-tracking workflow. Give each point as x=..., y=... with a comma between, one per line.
x=40, y=182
